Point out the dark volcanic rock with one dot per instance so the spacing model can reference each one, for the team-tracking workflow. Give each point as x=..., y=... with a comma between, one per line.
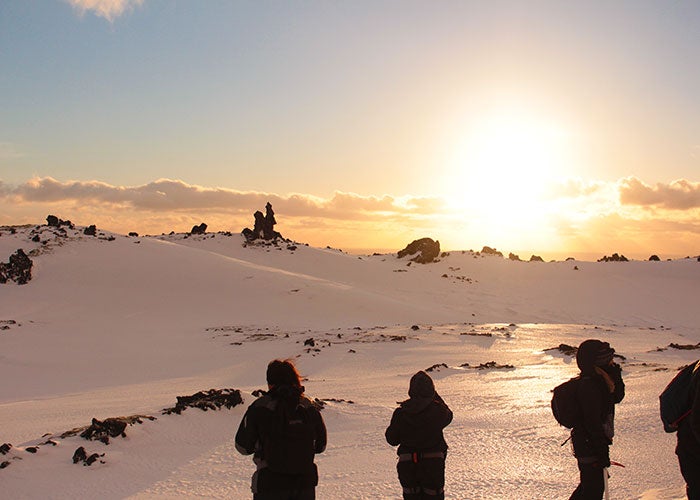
x=53, y=221
x=80, y=455
x=614, y=258
x=103, y=430
x=654, y=258
x=264, y=226
x=437, y=366
x=201, y=229
x=212, y=399
x=90, y=230
x=426, y=248
x=5, y=448
x=564, y=349
x=110, y=427
x=18, y=269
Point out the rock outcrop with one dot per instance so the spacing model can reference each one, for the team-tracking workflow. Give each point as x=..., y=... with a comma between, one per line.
x=18, y=269
x=201, y=229
x=614, y=258
x=212, y=399
x=264, y=226
x=491, y=251
x=427, y=249
x=54, y=221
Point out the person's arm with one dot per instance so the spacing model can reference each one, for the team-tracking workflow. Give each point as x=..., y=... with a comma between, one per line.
x=615, y=372
x=446, y=412
x=695, y=415
x=321, y=434
x=393, y=433
x=247, y=435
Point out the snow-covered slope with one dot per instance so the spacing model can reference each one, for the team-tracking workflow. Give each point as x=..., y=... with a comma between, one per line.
x=113, y=325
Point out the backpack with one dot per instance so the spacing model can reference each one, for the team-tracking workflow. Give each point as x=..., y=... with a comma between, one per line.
x=289, y=446
x=565, y=405
x=675, y=400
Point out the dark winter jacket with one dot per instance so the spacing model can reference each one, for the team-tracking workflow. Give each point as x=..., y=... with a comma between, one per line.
x=689, y=427
x=599, y=390
x=416, y=425
x=261, y=430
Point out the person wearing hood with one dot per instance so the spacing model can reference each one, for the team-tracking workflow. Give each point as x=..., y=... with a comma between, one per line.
x=283, y=430
x=416, y=427
x=600, y=389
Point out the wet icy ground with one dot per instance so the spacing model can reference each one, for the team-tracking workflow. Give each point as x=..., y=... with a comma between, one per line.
x=503, y=441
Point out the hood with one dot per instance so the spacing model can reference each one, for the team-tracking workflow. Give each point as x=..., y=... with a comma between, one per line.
x=592, y=353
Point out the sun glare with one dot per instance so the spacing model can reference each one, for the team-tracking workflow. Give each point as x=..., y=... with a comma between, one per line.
x=500, y=171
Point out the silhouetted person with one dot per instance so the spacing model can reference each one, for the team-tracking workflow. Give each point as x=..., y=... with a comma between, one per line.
x=416, y=427
x=600, y=388
x=688, y=445
x=284, y=431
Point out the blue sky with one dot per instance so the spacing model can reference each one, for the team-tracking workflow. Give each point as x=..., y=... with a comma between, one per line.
x=367, y=111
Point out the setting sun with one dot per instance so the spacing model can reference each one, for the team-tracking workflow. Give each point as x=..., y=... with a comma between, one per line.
x=501, y=169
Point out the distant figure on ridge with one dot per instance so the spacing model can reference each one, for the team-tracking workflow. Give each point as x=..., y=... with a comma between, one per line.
x=284, y=431
x=600, y=388
x=416, y=427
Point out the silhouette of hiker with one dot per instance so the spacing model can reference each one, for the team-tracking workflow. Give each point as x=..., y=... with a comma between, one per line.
x=416, y=427
x=688, y=440
x=600, y=388
x=284, y=431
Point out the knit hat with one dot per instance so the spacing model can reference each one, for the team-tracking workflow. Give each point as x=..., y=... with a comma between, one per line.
x=421, y=386
x=593, y=352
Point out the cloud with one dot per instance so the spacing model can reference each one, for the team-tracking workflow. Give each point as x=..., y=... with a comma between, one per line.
x=678, y=195
x=109, y=9
x=574, y=188
x=175, y=195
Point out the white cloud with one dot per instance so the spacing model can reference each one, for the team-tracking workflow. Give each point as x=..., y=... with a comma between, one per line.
x=678, y=195
x=109, y=9
x=175, y=195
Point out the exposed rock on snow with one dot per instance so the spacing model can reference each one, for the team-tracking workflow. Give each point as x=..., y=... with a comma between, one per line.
x=6, y=324
x=201, y=229
x=264, y=226
x=18, y=269
x=491, y=251
x=566, y=349
x=685, y=347
x=212, y=399
x=427, y=249
x=614, y=258
x=80, y=455
x=436, y=367
x=54, y=221
x=110, y=427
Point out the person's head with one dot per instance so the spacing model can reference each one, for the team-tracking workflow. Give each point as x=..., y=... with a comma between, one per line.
x=282, y=372
x=421, y=386
x=592, y=353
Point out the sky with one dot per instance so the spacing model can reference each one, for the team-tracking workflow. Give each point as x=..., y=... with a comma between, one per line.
x=557, y=128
